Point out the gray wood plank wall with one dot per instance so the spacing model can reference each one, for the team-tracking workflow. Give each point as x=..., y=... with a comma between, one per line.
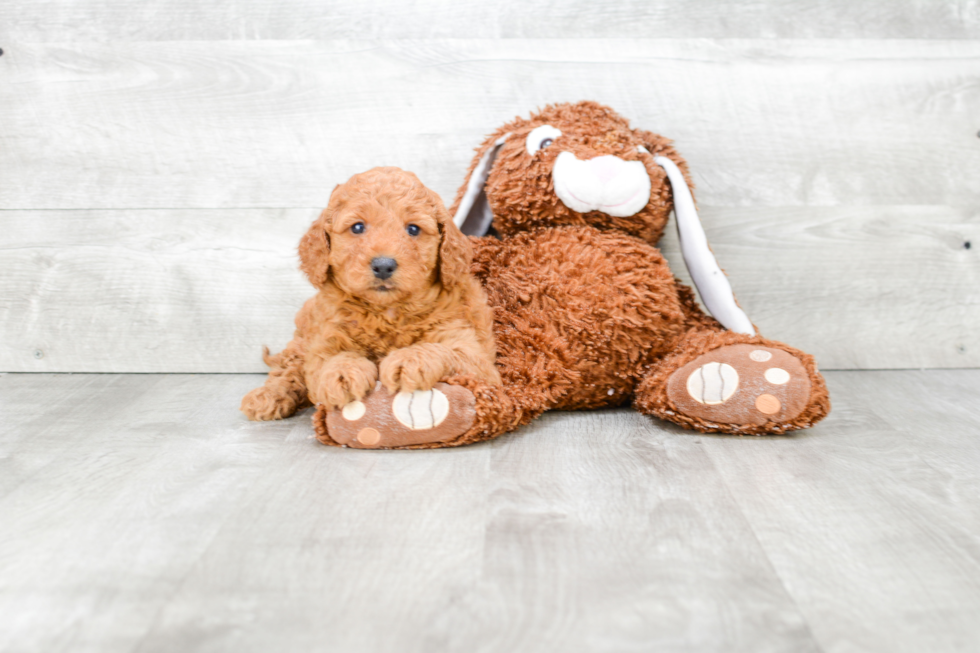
x=159, y=161
x=170, y=20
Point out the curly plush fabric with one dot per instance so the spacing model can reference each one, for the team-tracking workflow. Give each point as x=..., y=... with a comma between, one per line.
x=586, y=310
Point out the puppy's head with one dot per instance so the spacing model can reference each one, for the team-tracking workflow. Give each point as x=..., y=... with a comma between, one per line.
x=384, y=238
x=569, y=164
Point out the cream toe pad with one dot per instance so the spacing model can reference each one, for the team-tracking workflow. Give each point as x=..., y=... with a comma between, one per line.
x=353, y=411
x=422, y=409
x=712, y=383
x=777, y=375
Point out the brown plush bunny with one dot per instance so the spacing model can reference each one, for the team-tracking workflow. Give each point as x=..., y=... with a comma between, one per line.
x=586, y=311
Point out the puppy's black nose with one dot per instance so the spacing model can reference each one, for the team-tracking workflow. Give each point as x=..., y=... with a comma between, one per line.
x=383, y=267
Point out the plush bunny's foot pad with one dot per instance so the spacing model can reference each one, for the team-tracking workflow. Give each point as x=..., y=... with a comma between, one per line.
x=384, y=421
x=746, y=385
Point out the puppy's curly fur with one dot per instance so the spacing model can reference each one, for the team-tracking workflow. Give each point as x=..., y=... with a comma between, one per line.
x=428, y=321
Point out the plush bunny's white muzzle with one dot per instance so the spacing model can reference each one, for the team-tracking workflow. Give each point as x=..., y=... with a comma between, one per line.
x=605, y=183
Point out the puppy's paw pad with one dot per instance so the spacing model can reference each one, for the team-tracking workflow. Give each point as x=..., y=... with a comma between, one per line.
x=742, y=385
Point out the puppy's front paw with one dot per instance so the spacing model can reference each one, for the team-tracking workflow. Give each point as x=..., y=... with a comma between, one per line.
x=418, y=367
x=345, y=381
x=263, y=404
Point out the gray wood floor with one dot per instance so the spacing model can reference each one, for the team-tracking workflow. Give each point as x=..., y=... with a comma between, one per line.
x=143, y=513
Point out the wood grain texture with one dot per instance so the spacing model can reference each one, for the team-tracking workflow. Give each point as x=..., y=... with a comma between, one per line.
x=858, y=287
x=115, y=522
x=147, y=515
x=149, y=291
x=607, y=531
x=171, y=20
x=883, y=502
x=203, y=290
x=277, y=124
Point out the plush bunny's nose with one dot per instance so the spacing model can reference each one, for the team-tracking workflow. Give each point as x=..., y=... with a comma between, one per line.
x=604, y=183
x=605, y=167
x=383, y=267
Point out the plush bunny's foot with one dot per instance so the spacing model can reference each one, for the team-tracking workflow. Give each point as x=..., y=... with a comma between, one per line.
x=748, y=388
x=406, y=419
x=742, y=385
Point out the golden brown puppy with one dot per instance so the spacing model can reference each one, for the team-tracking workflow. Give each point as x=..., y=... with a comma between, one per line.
x=396, y=302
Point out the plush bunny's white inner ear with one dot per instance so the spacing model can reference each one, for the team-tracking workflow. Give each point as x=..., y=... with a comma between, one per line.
x=473, y=217
x=711, y=282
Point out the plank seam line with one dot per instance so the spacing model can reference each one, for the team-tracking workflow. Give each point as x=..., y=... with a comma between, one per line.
x=192, y=567
x=762, y=548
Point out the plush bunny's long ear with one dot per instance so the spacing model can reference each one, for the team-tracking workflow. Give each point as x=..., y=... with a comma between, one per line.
x=473, y=217
x=711, y=282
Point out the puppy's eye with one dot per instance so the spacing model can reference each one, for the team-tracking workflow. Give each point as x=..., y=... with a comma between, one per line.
x=540, y=138
x=413, y=230
x=358, y=228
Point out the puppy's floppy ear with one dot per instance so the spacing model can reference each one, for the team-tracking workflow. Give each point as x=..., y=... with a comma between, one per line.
x=314, y=250
x=455, y=253
x=471, y=210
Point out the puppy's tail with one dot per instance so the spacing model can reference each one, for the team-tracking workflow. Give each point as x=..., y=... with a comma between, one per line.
x=269, y=359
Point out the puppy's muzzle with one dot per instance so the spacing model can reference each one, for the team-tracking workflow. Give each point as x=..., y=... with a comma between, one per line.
x=383, y=267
